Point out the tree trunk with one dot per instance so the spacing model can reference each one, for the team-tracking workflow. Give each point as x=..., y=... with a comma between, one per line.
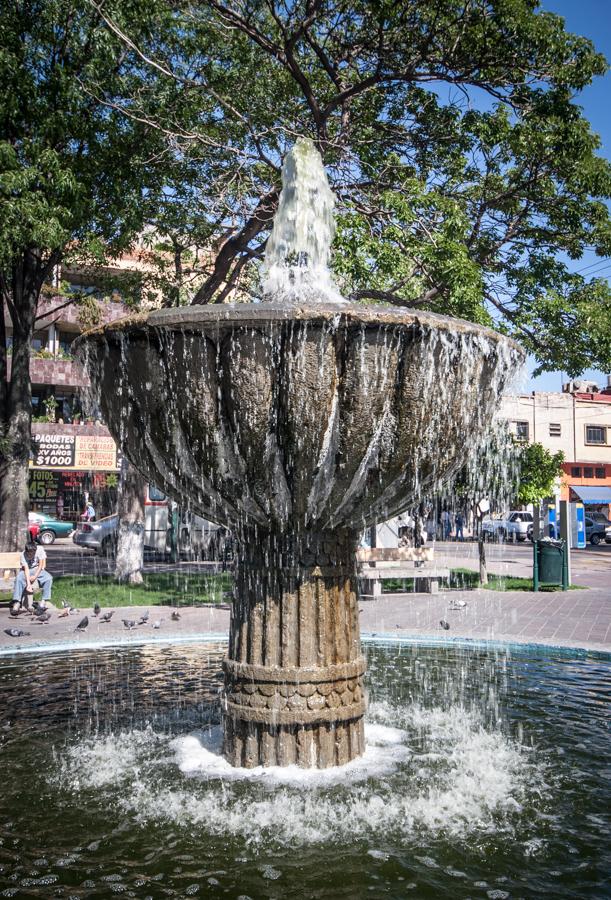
x=130, y=544
x=21, y=299
x=483, y=568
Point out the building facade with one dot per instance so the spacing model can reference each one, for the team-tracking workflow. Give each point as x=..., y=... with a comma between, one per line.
x=577, y=422
x=72, y=454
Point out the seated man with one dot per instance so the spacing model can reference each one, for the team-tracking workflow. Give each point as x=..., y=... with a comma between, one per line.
x=33, y=562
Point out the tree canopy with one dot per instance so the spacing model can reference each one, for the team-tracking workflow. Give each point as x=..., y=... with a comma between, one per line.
x=467, y=175
x=539, y=470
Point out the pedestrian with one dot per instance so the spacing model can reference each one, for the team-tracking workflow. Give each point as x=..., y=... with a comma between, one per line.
x=33, y=568
x=89, y=512
x=59, y=506
x=446, y=521
x=459, y=522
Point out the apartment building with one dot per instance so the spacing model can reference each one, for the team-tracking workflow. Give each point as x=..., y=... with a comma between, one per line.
x=576, y=421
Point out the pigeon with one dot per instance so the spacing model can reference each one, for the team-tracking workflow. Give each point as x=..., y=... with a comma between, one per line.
x=42, y=617
x=82, y=625
x=175, y=616
x=107, y=616
x=38, y=608
x=40, y=612
x=15, y=632
x=129, y=624
x=63, y=614
x=144, y=618
x=157, y=623
x=458, y=604
x=444, y=624
x=66, y=605
x=97, y=609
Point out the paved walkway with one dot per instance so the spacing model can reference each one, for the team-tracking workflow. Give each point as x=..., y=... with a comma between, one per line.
x=580, y=619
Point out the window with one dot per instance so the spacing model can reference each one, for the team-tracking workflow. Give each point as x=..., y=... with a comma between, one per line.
x=155, y=494
x=521, y=431
x=596, y=434
x=65, y=342
x=600, y=472
x=555, y=429
x=588, y=472
x=40, y=340
x=576, y=472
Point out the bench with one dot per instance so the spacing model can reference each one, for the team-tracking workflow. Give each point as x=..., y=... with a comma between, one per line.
x=10, y=563
x=380, y=563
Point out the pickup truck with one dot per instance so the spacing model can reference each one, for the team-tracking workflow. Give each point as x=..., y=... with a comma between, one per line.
x=515, y=527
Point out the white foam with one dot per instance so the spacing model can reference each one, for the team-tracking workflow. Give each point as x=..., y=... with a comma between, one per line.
x=434, y=769
x=199, y=753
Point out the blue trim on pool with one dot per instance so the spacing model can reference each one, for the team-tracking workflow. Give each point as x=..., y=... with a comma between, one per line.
x=367, y=637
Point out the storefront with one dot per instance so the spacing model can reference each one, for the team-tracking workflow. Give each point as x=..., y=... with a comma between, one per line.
x=68, y=462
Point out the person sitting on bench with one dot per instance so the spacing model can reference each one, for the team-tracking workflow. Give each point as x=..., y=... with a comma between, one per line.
x=33, y=563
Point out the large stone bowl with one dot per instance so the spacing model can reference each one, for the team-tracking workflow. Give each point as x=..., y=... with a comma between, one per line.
x=296, y=426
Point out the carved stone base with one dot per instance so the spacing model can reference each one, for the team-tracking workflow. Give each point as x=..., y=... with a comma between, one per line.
x=294, y=674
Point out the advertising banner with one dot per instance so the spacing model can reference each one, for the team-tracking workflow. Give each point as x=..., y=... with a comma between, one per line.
x=55, y=451
x=44, y=486
x=94, y=452
x=80, y=452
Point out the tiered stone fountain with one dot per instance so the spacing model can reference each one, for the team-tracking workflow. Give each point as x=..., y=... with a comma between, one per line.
x=296, y=422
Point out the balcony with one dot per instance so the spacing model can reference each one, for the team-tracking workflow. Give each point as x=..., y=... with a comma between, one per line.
x=60, y=372
x=52, y=309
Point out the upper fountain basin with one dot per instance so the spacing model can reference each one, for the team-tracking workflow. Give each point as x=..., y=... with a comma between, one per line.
x=295, y=417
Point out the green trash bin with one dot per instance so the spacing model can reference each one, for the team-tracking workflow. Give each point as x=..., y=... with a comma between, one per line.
x=551, y=560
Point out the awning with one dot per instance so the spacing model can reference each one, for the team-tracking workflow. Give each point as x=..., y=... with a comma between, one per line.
x=592, y=495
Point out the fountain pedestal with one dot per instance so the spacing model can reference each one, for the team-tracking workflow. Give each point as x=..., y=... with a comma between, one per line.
x=293, y=674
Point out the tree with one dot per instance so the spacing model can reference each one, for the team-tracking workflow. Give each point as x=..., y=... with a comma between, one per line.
x=539, y=470
x=75, y=177
x=462, y=163
x=132, y=522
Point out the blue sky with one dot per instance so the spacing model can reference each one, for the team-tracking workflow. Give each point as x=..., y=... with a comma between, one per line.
x=591, y=18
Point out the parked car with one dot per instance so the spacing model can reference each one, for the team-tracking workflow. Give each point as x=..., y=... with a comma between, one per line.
x=600, y=517
x=50, y=527
x=597, y=531
x=514, y=527
x=100, y=535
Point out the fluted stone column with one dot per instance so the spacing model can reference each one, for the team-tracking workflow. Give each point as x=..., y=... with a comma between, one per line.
x=294, y=671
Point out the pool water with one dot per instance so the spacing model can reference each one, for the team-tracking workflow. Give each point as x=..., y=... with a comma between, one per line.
x=487, y=774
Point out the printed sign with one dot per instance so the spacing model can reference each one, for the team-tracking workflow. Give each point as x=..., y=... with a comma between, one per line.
x=95, y=452
x=43, y=486
x=83, y=452
x=54, y=451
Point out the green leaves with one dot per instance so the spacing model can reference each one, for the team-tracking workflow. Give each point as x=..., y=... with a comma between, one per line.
x=539, y=470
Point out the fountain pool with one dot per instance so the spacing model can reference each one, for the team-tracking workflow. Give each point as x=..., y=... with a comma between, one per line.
x=485, y=775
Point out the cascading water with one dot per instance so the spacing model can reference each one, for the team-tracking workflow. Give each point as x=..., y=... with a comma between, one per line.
x=296, y=267
x=297, y=422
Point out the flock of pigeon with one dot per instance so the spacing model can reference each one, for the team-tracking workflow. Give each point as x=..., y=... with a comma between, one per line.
x=41, y=615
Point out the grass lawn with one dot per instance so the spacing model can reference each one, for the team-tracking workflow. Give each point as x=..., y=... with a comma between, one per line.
x=162, y=589
x=466, y=579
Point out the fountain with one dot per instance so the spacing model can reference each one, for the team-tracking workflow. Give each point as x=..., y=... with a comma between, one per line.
x=297, y=422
